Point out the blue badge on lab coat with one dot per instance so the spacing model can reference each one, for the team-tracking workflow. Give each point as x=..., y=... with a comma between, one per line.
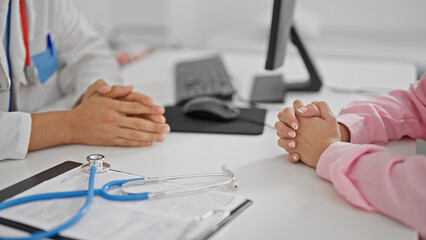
x=47, y=61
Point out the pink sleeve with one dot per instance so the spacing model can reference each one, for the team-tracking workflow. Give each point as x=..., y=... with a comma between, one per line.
x=376, y=179
x=389, y=117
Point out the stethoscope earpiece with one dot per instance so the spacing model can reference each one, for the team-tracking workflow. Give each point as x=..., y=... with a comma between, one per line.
x=225, y=168
x=235, y=185
x=233, y=181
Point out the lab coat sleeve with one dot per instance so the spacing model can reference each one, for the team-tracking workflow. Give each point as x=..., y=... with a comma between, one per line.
x=389, y=117
x=15, y=128
x=374, y=178
x=83, y=55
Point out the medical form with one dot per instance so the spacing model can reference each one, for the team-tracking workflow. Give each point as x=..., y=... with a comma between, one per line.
x=167, y=218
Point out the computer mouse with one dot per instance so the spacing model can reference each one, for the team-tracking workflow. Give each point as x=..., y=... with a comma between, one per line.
x=210, y=108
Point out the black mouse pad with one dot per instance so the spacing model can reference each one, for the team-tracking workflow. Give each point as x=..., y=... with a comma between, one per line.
x=249, y=122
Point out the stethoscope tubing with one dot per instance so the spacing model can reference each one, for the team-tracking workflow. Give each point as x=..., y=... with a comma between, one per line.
x=46, y=234
x=72, y=194
x=183, y=192
x=131, y=197
x=204, y=175
x=45, y=196
x=161, y=194
x=91, y=192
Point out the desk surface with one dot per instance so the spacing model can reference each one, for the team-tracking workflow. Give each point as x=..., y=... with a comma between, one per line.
x=290, y=200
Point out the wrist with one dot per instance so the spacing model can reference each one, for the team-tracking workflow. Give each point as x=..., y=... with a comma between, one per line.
x=345, y=135
x=69, y=130
x=48, y=129
x=324, y=147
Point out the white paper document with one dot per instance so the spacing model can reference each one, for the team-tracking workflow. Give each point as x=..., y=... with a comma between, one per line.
x=167, y=218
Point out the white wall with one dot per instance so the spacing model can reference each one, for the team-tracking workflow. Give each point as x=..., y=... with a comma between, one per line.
x=201, y=19
x=385, y=17
x=106, y=15
x=381, y=29
x=377, y=16
x=388, y=29
x=198, y=21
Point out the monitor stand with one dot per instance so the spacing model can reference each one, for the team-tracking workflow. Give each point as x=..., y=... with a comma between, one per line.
x=313, y=84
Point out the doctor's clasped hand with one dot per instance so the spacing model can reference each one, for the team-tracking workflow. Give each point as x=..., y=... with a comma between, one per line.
x=60, y=84
x=105, y=116
x=123, y=118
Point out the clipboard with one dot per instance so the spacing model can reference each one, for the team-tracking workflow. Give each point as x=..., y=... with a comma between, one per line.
x=69, y=165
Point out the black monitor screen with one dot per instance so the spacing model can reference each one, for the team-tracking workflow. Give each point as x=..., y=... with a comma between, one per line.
x=282, y=20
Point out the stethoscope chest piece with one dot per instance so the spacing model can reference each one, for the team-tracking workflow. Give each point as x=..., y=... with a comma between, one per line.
x=97, y=160
x=31, y=73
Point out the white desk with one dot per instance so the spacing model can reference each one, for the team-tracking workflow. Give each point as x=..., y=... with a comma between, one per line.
x=290, y=200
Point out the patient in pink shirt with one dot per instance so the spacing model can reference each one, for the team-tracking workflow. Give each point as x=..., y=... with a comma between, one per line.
x=370, y=177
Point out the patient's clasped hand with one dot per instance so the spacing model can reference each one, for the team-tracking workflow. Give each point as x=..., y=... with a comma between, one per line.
x=343, y=150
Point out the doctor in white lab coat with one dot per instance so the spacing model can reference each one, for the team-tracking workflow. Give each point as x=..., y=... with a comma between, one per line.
x=68, y=103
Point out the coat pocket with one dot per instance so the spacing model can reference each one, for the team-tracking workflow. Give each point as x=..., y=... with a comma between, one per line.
x=46, y=62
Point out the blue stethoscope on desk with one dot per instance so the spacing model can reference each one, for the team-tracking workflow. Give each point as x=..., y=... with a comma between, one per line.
x=97, y=165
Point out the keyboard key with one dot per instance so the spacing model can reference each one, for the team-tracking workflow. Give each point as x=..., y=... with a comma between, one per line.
x=203, y=77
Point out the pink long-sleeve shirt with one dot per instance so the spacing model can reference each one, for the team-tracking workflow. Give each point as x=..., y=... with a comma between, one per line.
x=374, y=178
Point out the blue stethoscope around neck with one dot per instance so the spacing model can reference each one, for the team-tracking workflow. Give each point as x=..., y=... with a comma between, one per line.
x=97, y=165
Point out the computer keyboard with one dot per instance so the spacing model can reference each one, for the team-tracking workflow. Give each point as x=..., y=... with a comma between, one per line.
x=203, y=77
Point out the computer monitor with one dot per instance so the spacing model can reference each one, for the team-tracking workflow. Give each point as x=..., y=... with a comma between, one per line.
x=282, y=31
x=282, y=20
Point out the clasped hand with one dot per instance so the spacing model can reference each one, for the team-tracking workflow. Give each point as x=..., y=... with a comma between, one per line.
x=116, y=116
x=306, y=131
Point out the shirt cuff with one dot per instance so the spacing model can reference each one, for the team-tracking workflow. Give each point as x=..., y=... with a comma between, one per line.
x=328, y=157
x=335, y=165
x=17, y=130
x=354, y=123
x=25, y=135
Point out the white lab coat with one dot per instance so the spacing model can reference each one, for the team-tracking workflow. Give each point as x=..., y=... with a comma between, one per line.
x=83, y=57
